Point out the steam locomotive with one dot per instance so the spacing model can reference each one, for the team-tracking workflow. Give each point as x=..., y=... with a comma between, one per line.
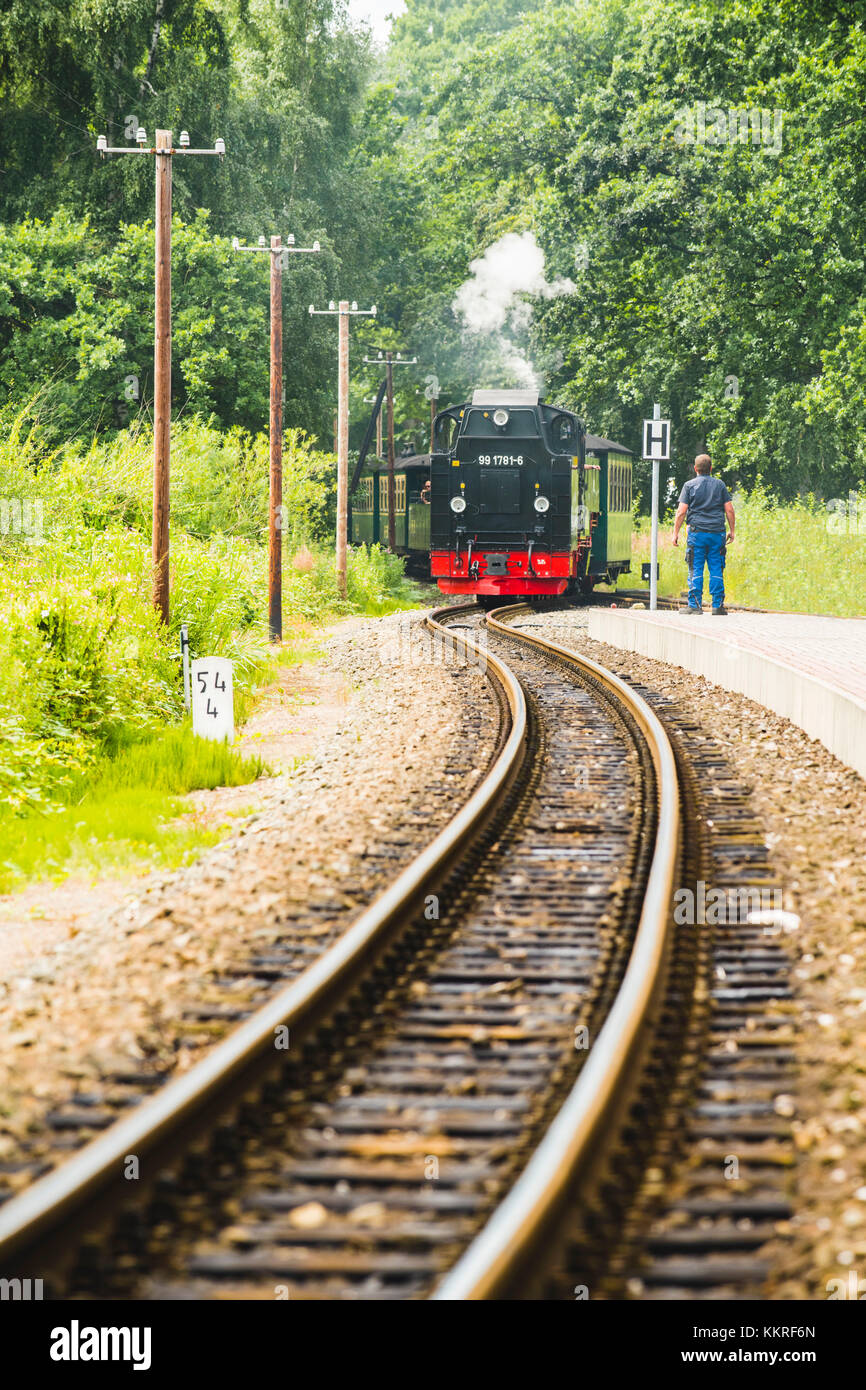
x=521, y=501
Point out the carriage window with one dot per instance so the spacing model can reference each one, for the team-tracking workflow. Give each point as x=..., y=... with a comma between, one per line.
x=619, y=485
x=399, y=493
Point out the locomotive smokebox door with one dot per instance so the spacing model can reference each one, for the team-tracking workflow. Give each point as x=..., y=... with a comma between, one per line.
x=497, y=564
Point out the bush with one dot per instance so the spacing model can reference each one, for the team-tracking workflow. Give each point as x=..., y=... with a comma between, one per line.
x=86, y=667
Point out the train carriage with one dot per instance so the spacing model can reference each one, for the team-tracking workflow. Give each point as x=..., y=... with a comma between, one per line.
x=611, y=536
x=369, y=508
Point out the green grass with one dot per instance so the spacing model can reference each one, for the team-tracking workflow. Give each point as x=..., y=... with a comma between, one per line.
x=792, y=558
x=125, y=812
x=86, y=668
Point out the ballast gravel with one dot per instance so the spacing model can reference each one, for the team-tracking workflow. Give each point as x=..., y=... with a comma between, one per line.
x=813, y=809
x=412, y=732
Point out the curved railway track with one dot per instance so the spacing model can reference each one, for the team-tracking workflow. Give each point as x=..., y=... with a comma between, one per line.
x=446, y=1094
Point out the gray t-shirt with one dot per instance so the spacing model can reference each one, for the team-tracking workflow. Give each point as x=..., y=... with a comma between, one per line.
x=705, y=497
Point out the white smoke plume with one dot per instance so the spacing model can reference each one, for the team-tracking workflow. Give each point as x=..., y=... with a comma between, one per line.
x=495, y=302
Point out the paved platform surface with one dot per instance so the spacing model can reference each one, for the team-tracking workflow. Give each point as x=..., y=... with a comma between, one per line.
x=811, y=670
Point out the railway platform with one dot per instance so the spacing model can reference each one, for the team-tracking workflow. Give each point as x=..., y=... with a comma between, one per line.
x=809, y=669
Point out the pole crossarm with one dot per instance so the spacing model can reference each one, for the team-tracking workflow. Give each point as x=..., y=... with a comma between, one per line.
x=382, y=361
x=103, y=147
x=284, y=250
x=354, y=310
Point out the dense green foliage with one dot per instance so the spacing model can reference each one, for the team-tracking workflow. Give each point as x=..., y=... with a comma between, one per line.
x=628, y=201
x=279, y=82
x=76, y=318
x=86, y=668
x=695, y=168
x=718, y=263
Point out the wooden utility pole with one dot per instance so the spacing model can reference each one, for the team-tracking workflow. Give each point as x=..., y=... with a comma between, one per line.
x=164, y=152
x=162, y=376
x=345, y=310
x=390, y=363
x=279, y=255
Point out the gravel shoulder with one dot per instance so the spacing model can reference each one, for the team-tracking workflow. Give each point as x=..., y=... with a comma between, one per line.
x=371, y=742
x=813, y=809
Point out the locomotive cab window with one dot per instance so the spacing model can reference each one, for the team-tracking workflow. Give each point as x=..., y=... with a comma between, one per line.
x=445, y=433
x=562, y=429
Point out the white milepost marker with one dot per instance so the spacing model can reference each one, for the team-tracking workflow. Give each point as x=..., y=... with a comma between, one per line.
x=213, y=704
x=656, y=446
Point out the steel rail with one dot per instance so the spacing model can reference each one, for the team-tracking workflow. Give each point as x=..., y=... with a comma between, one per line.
x=505, y=1244
x=94, y=1175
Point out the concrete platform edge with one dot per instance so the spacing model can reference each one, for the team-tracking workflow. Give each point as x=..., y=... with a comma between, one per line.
x=823, y=711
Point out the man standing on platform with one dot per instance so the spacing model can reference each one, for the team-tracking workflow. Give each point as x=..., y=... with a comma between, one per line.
x=706, y=502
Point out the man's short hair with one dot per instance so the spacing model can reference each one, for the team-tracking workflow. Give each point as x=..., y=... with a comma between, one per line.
x=703, y=463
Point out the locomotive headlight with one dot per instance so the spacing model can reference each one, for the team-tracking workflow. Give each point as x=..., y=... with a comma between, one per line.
x=458, y=504
x=500, y=418
x=541, y=504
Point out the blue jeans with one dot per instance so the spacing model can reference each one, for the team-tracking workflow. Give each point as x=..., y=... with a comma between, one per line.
x=707, y=547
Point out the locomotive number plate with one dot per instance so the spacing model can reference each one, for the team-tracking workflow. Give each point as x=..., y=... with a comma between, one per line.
x=500, y=460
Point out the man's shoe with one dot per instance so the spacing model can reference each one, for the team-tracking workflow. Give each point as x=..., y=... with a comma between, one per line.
x=720, y=612
x=693, y=612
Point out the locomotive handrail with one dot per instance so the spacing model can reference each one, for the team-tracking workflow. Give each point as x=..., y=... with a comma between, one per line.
x=95, y=1174
x=505, y=1243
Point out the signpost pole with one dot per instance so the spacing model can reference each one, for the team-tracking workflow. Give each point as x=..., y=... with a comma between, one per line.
x=654, y=539
x=184, y=652
x=392, y=486
x=275, y=532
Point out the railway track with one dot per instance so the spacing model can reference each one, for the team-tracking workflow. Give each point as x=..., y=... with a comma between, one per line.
x=440, y=1105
